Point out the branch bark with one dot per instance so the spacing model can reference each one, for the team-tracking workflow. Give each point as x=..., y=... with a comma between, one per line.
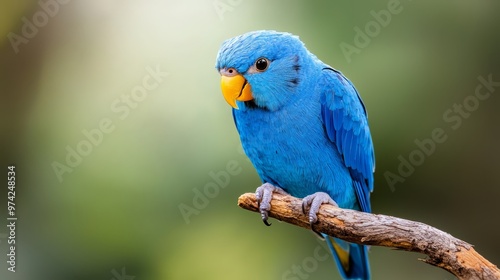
x=442, y=249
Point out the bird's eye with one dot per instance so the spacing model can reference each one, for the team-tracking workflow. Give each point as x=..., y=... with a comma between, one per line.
x=261, y=64
x=230, y=72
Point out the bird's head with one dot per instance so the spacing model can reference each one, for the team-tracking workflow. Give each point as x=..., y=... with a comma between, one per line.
x=261, y=68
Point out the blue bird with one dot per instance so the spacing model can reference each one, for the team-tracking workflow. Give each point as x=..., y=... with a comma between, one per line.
x=305, y=129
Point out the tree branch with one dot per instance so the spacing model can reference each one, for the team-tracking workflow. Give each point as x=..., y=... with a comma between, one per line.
x=442, y=249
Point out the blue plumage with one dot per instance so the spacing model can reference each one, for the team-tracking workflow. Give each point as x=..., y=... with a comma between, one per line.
x=304, y=127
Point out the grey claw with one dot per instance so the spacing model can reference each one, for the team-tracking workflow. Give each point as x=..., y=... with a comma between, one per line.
x=264, y=195
x=313, y=202
x=264, y=216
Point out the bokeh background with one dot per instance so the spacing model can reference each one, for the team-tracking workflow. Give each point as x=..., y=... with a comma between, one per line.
x=118, y=211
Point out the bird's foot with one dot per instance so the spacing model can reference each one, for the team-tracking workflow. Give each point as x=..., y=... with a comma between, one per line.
x=313, y=202
x=264, y=195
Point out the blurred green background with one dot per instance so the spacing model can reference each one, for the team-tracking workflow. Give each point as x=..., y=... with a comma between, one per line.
x=118, y=211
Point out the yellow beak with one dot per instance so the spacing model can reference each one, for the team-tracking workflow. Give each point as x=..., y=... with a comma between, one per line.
x=235, y=88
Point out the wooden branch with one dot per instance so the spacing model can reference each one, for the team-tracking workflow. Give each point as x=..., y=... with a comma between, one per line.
x=442, y=249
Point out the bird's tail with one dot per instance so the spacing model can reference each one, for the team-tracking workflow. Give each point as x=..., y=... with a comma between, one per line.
x=351, y=259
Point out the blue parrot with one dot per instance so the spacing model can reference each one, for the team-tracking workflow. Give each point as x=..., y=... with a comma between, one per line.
x=305, y=129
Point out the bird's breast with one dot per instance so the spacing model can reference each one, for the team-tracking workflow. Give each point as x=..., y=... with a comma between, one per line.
x=289, y=148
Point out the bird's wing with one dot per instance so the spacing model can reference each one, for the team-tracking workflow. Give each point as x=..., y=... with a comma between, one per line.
x=345, y=121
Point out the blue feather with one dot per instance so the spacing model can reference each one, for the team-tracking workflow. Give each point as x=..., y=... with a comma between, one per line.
x=353, y=269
